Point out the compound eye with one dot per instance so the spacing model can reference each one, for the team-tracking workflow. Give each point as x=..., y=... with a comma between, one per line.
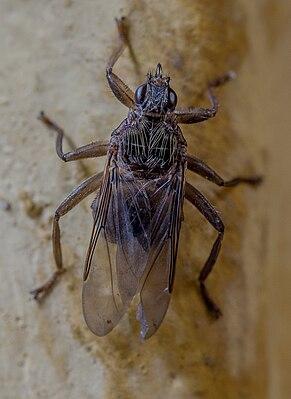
x=140, y=94
x=172, y=100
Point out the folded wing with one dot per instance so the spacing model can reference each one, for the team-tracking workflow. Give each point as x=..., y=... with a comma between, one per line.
x=166, y=221
x=133, y=248
x=118, y=249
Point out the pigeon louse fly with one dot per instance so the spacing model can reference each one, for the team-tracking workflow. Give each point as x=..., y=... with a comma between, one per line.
x=138, y=208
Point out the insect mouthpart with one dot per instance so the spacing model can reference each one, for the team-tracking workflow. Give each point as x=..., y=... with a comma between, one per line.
x=159, y=71
x=157, y=79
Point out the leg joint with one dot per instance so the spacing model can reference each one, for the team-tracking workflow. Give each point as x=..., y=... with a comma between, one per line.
x=220, y=227
x=213, y=112
x=217, y=223
x=108, y=71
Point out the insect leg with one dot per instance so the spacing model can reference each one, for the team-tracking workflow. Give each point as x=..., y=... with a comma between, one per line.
x=73, y=199
x=96, y=149
x=195, y=115
x=207, y=210
x=118, y=87
x=201, y=168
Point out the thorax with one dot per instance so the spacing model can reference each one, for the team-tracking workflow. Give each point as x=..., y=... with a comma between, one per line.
x=150, y=144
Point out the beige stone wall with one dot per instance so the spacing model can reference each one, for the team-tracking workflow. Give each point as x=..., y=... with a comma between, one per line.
x=53, y=56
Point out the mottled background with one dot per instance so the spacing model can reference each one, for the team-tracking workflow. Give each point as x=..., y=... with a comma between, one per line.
x=53, y=57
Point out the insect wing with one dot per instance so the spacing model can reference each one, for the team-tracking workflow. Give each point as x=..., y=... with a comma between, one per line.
x=166, y=221
x=117, y=254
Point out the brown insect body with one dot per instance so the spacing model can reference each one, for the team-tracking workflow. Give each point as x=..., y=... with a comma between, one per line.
x=140, y=202
x=137, y=211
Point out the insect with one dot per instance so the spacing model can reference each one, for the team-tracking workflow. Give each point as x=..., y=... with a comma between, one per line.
x=138, y=208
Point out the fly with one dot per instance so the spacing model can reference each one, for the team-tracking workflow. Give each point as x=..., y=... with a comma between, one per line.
x=138, y=208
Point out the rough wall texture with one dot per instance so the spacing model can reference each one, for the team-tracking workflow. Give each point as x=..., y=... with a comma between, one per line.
x=53, y=55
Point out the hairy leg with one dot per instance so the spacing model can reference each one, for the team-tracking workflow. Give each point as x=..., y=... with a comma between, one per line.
x=95, y=149
x=207, y=210
x=202, y=169
x=196, y=115
x=73, y=199
x=118, y=87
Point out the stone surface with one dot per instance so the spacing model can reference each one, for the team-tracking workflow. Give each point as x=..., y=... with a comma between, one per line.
x=53, y=57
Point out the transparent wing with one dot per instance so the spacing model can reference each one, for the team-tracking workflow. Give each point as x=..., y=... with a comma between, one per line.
x=166, y=221
x=118, y=249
